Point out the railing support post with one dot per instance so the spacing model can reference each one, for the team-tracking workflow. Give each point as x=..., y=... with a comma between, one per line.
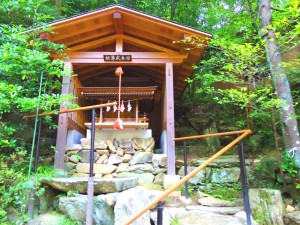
x=89, y=205
x=160, y=209
x=244, y=182
x=186, y=184
x=36, y=155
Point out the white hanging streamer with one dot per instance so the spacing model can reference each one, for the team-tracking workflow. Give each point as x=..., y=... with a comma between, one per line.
x=115, y=107
x=108, y=107
x=122, y=108
x=129, y=106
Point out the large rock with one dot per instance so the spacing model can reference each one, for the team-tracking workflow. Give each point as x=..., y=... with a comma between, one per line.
x=225, y=175
x=125, y=143
x=266, y=206
x=69, y=166
x=196, y=217
x=98, y=144
x=126, y=158
x=143, y=144
x=123, y=167
x=103, y=152
x=74, y=158
x=120, y=152
x=114, y=159
x=200, y=177
x=219, y=210
x=159, y=160
x=111, y=146
x=143, y=177
x=85, y=143
x=214, y=202
x=224, y=161
x=141, y=168
x=128, y=203
x=75, y=208
x=74, y=147
x=101, y=185
x=85, y=156
x=49, y=219
x=292, y=218
x=111, y=185
x=101, y=159
x=98, y=168
x=213, y=143
x=157, y=170
x=141, y=157
x=47, y=200
x=159, y=178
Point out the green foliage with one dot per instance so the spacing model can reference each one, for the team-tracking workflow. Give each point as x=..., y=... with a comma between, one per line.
x=175, y=221
x=11, y=182
x=224, y=192
x=288, y=165
x=65, y=220
x=14, y=183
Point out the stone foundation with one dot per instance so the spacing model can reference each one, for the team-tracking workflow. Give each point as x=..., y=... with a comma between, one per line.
x=117, y=158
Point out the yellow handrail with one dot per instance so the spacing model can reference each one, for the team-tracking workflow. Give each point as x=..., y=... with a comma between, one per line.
x=72, y=110
x=243, y=133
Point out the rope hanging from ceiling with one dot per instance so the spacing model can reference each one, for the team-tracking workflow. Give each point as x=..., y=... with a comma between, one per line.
x=118, y=125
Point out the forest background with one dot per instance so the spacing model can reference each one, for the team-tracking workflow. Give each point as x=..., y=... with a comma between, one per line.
x=236, y=56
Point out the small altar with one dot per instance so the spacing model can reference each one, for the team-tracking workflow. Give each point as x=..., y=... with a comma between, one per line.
x=132, y=114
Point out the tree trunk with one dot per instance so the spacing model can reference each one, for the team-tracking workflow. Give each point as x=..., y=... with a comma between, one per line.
x=58, y=4
x=282, y=86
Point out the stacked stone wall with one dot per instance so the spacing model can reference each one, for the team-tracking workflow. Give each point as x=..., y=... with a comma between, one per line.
x=117, y=158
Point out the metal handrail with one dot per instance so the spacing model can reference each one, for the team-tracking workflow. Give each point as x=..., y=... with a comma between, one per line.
x=154, y=202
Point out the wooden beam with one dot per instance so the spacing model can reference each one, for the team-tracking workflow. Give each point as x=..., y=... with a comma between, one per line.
x=46, y=36
x=63, y=34
x=156, y=31
x=62, y=129
x=170, y=125
x=95, y=43
x=135, y=55
x=81, y=18
x=117, y=17
x=75, y=126
x=154, y=38
x=150, y=45
x=119, y=45
x=96, y=73
x=91, y=37
x=158, y=61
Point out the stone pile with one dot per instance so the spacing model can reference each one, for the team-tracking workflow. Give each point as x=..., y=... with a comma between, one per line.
x=117, y=159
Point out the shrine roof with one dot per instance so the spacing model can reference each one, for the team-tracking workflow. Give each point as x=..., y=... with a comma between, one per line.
x=121, y=30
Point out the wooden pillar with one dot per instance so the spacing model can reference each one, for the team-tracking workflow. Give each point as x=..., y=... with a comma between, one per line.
x=136, y=111
x=101, y=113
x=62, y=129
x=169, y=114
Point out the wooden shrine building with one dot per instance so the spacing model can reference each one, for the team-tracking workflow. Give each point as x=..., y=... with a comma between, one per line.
x=155, y=67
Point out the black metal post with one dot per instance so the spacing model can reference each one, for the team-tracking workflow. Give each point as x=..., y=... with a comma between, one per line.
x=186, y=184
x=160, y=209
x=244, y=182
x=30, y=212
x=90, y=194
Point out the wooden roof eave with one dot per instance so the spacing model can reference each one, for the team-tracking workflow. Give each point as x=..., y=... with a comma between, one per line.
x=113, y=92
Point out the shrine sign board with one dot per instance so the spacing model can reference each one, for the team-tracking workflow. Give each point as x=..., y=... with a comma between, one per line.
x=117, y=58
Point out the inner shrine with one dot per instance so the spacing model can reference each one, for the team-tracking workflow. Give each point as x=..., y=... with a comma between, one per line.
x=156, y=59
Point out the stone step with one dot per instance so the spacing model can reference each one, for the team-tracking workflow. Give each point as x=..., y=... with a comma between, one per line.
x=218, y=210
x=196, y=217
x=101, y=185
